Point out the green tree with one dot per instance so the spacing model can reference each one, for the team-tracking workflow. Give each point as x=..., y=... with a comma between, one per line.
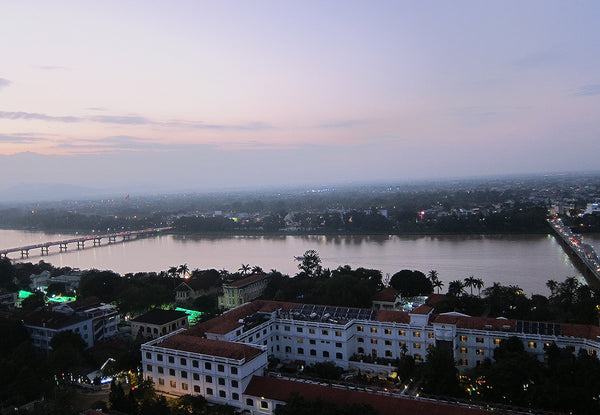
x=244, y=269
x=456, y=288
x=411, y=283
x=310, y=263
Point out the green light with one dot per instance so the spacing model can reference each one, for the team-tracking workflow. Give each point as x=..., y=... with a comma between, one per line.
x=194, y=315
x=24, y=294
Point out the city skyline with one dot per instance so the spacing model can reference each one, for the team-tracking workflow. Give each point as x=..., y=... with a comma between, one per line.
x=226, y=94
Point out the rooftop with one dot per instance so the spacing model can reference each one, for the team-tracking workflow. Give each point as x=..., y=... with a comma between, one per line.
x=51, y=319
x=194, y=344
x=246, y=281
x=387, y=295
x=159, y=317
x=281, y=389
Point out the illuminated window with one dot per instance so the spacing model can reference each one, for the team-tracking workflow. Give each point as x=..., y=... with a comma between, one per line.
x=173, y=384
x=463, y=350
x=479, y=352
x=532, y=345
x=373, y=329
x=373, y=341
x=496, y=342
x=300, y=340
x=417, y=345
x=416, y=334
x=360, y=328
x=417, y=357
x=402, y=332
x=387, y=331
x=430, y=335
x=463, y=362
x=463, y=338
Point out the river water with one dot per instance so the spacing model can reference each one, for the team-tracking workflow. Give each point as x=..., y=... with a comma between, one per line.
x=524, y=260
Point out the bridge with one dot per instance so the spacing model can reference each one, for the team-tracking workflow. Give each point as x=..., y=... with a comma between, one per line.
x=96, y=240
x=573, y=243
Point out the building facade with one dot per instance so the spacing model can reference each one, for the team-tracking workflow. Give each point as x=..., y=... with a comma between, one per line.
x=242, y=291
x=157, y=322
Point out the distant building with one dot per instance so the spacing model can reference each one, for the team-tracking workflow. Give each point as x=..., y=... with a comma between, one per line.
x=242, y=291
x=44, y=279
x=157, y=322
x=193, y=288
x=387, y=299
x=8, y=299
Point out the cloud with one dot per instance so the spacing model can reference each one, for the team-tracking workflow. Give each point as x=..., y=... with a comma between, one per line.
x=121, y=119
x=588, y=90
x=4, y=82
x=35, y=116
x=19, y=139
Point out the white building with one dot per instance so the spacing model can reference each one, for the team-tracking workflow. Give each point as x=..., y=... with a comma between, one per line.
x=363, y=339
x=158, y=322
x=242, y=291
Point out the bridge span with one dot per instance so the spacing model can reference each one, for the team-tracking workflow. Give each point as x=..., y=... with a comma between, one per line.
x=584, y=253
x=96, y=240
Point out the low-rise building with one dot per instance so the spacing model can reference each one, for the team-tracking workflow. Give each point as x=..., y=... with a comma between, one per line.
x=242, y=291
x=157, y=322
x=195, y=287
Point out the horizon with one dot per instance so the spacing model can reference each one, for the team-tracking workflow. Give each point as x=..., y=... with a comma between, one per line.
x=222, y=95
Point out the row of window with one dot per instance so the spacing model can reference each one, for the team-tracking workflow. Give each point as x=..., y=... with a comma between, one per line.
x=195, y=363
x=312, y=352
x=196, y=376
x=209, y=391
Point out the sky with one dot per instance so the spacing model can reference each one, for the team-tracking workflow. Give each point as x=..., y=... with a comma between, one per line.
x=220, y=94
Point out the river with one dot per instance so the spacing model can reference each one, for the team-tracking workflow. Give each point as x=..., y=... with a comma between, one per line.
x=524, y=260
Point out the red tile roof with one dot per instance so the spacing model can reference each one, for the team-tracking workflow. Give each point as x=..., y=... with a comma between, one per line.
x=580, y=330
x=387, y=295
x=230, y=320
x=422, y=309
x=220, y=348
x=433, y=299
x=476, y=323
x=281, y=389
x=393, y=316
x=246, y=281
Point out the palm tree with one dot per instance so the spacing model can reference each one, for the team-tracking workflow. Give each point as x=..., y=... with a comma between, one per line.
x=257, y=270
x=183, y=270
x=456, y=288
x=470, y=282
x=244, y=269
x=439, y=284
x=479, y=285
x=552, y=286
x=172, y=272
x=432, y=275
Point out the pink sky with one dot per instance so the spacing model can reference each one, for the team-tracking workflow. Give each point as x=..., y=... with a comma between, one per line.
x=402, y=88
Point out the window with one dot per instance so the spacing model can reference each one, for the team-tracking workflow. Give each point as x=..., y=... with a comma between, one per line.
x=234, y=370
x=416, y=334
x=339, y=356
x=184, y=374
x=479, y=339
x=417, y=345
x=221, y=368
x=373, y=329
x=496, y=342
x=264, y=404
x=159, y=357
x=148, y=355
x=249, y=402
x=463, y=350
x=209, y=391
x=402, y=332
x=360, y=340
x=221, y=381
x=171, y=359
x=183, y=361
x=299, y=329
x=402, y=344
x=172, y=372
x=312, y=341
x=196, y=376
x=360, y=350
x=463, y=362
x=532, y=345
x=463, y=338
x=313, y=352
x=184, y=386
x=325, y=353
x=373, y=341
x=387, y=331
x=311, y=331
x=417, y=357
x=300, y=340
x=338, y=333
x=194, y=363
x=222, y=394
x=338, y=345
x=209, y=379
x=430, y=335
x=360, y=328
x=388, y=342
x=235, y=396
x=161, y=381
x=207, y=366
x=300, y=350
x=196, y=388
x=479, y=352
x=286, y=328
x=325, y=332
x=173, y=384
x=160, y=369
x=288, y=349
x=149, y=368
x=234, y=383
x=388, y=353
